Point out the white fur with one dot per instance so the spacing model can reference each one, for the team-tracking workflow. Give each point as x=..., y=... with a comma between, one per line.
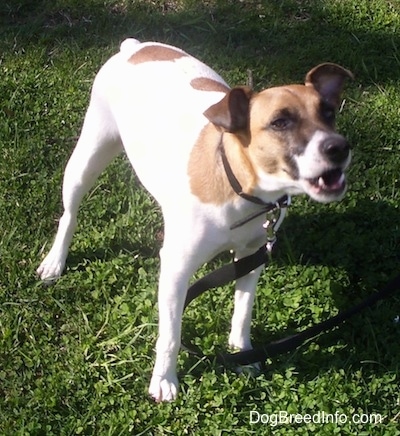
x=151, y=110
x=311, y=163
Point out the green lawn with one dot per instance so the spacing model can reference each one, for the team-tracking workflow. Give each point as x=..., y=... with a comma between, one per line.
x=76, y=358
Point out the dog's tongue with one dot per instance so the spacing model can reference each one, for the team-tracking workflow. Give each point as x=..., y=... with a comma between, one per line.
x=332, y=180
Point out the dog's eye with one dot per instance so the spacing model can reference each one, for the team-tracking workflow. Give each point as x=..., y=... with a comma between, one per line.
x=281, y=123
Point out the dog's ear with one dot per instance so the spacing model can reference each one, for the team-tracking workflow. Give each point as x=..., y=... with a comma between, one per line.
x=232, y=112
x=328, y=79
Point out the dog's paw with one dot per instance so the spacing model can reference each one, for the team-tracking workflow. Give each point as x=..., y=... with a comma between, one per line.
x=252, y=369
x=163, y=388
x=50, y=269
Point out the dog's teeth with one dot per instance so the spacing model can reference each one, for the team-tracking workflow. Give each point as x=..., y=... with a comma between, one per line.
x=321, y=182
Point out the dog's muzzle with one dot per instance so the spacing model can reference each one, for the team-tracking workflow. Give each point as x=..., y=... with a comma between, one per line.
x=331, y=184
x=335, y=149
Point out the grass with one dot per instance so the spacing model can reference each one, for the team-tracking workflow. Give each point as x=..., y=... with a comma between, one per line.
x=76, y=358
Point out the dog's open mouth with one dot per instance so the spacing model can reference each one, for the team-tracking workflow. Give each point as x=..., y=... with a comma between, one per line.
x=330, y=182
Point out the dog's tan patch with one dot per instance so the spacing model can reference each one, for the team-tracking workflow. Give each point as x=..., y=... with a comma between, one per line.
x=272, y=150
x=207, y=84
x=208, y=180
x=153, y=53
x=263, y=147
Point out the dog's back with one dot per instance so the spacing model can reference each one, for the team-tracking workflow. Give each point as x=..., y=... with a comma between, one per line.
x=157, y=94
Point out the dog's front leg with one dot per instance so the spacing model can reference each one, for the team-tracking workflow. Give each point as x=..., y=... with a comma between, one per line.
x=239, y=337
x=176, y=270
x=171, y=297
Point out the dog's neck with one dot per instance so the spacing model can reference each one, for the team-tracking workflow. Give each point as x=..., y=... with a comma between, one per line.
x=208, y=179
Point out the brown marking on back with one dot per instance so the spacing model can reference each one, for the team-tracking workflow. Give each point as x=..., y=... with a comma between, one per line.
x=153, y=53
x=207, y=84
x=208, y=180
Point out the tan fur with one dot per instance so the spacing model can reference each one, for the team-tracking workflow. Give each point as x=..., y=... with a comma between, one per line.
x=208, y=179
x=153, y=53
x=206, y=84
x=267, y=148
x=263, y=148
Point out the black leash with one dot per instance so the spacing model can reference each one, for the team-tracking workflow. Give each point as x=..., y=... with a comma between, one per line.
x=242, y=267
x=227, y=273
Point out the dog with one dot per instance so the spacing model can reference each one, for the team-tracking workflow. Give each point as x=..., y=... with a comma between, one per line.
x=175, y=117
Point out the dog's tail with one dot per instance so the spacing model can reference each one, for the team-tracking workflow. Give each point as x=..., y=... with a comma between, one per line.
x=129, y=46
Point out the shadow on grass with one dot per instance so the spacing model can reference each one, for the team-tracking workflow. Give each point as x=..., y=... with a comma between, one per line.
x=282, y=39
x=364, y=241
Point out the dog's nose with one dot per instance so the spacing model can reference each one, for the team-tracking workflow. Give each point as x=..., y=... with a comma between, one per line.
x=336, y=149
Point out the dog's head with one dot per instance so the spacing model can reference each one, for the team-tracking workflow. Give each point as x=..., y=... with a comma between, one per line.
x=289, y=133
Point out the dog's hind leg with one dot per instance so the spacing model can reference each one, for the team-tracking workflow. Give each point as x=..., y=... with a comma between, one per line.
x=239, y=337
x=98, y=144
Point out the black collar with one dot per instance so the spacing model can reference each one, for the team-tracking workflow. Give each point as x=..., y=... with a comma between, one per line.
x=237, y=187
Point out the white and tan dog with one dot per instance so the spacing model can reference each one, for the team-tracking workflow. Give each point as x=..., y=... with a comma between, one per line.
x=173, y=116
